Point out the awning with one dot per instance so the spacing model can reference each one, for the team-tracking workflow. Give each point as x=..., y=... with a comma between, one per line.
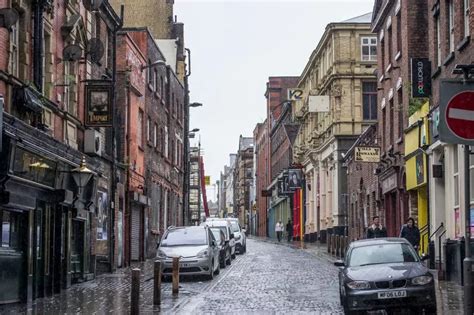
x=28, y=98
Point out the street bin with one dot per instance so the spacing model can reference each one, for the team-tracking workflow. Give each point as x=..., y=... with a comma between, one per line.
x=453, y=261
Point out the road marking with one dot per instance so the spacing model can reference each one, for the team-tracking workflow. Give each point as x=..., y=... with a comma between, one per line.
x=462, y=114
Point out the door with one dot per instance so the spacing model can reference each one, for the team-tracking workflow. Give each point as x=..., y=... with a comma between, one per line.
x=120, y=239
x=77, y=250
x=38, y=254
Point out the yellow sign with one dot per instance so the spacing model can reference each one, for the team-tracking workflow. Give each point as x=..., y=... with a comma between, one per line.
x=207, y=180
x=367, y=154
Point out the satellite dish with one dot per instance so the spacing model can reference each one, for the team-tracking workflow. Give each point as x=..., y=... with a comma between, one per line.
x=8, y=17
x=95, y=50
x=92, y=5
x=72, y=52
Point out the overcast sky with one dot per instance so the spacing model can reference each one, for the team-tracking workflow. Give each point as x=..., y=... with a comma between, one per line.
x=236, y=45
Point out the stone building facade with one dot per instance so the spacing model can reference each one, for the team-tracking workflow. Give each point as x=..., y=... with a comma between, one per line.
x=342, y=67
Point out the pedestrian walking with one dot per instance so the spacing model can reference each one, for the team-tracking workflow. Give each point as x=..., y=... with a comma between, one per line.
x=289, y=230
x=411, y=233
x=279, y=230
x=376, y=230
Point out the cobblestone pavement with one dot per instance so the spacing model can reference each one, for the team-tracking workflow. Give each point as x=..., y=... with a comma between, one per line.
x=269, y=278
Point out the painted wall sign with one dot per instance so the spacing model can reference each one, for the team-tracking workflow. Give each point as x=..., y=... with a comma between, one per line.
x=420, y=77
x=367, y=154
x=295, y=94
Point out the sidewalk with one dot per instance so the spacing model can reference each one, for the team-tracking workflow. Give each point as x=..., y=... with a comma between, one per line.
x=449, y=294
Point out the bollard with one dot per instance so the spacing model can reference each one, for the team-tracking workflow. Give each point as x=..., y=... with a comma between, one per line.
x=157, y=283
x=175, y=275
x=338, y=245
x=135, y=294
x=333, y=240
x=329, y=243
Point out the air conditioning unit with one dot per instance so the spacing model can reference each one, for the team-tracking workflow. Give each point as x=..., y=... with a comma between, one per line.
x=93, y=142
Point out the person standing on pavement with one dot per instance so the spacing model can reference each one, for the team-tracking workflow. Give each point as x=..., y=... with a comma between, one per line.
x=279, y=230
x=289, y=230
x=411, y=233
x=376, y=230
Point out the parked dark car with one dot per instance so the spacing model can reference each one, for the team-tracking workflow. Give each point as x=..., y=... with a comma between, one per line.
x=385, y=273
x=225, y=257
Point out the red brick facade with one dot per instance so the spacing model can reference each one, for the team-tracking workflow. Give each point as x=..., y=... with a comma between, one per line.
x=262, y=175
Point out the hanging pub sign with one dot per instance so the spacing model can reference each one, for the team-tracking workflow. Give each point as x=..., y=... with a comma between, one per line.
x=294, y=179
x=99, y=104
x=367, y=154
x=282, y=186
x=420, y=77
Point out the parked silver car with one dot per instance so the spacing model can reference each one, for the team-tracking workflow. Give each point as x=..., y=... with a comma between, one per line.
x=226, y=227
x=236, y=229
x=197, y=248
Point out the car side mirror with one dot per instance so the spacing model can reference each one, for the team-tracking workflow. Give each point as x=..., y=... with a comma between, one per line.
x=424, y=257
x=339, y=263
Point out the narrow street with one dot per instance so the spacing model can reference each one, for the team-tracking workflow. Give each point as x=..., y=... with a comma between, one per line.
x=268, y=278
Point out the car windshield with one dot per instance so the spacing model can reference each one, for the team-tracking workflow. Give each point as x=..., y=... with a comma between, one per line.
x=235, y=227
x=382, y=254
x=217, y=234
x=180, y=237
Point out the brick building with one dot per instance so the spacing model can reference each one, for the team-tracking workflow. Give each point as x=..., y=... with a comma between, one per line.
x=394, y=22
x=362, y=186
x=450, y=29
x=262, y=173
x=45, y=136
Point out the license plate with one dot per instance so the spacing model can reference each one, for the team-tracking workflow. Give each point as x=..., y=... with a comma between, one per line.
x=183, y=265
x=392, y=294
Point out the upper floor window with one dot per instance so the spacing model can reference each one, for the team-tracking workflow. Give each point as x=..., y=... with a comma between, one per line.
x=150, y=75
x=165, y=144
x=369, y=48
x=451, y=25
x=438, y=40
x=155, y=136
x=155, y=80
x=14, y=59
x=140, y=128
x=70, y=88
x=369, y=100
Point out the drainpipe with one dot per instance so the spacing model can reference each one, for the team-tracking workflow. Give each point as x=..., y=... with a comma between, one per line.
x=38, y=45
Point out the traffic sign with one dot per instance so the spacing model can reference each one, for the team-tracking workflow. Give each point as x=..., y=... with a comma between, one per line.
x=457, y=112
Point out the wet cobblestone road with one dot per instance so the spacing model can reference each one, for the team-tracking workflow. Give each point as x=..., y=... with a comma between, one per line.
x=269, y=279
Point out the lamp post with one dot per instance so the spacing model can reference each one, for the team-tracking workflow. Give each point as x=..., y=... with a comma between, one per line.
x=155, y=63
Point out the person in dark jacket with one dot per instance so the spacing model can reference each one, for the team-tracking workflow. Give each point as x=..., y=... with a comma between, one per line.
x=376, y=230
x=289, y=230
x=411, y=233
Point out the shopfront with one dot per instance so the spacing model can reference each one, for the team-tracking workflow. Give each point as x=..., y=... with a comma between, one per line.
x=44, y=217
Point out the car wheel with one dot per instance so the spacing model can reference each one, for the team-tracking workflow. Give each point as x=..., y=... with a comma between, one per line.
x=222, y=263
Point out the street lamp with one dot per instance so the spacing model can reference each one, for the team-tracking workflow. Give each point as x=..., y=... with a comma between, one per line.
x=81, y=175
x=155, y=63
x=195, y=104
x=194, y=130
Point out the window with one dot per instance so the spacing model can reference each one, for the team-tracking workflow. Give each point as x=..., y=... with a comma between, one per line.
x=14, y=59
x=369, y=100
x=155, y=81
x=382, y=56
x=150, y=75
x=400, y=113
x=70, y=88
x=467, y=9
x=140, y=128
x=438, y=40
x=165, y=144
x=391, y=126
x=399, y=31
x=162, y=89
x=155, y=136
x=148, y=130
x=369, y=48
x=10, y=229
x=456, y=176
x=389, y=45
x=34, y=167
x=48, y=119
x=70, y=134
x=384, y=128
x=451, y=25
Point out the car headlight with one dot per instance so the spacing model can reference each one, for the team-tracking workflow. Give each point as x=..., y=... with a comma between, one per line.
x=203, y=253
x=421, y=280
x=161, y=254
x=237, y=237
x=358, y=285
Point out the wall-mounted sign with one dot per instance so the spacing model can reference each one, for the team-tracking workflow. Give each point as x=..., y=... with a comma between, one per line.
x=318, y=104
x=420, y=77
x=99, y=105
x=294, y=179
x=295, y=94
x=367, y=154
x=207, y=180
